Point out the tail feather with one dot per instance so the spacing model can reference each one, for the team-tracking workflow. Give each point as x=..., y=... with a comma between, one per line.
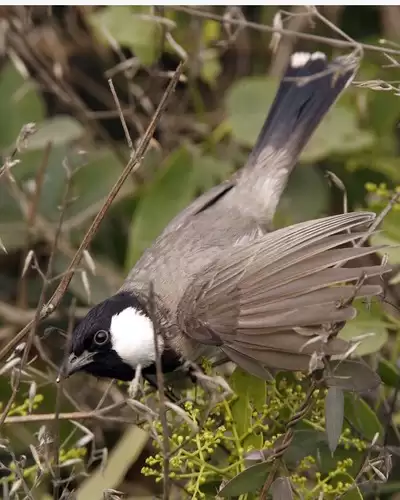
x=309, y=87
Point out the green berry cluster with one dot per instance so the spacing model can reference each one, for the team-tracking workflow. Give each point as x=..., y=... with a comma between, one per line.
x=218, y=451
x=31, y=473
x=380, y=194
x=24, y=408
x=311, y=483
x=42, y=464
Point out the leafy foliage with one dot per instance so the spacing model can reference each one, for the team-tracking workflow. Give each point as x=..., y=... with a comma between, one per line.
x=222, y=453
x=335, y=450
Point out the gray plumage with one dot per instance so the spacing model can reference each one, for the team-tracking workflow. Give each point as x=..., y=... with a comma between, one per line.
x=226, y=286
x=223, y=281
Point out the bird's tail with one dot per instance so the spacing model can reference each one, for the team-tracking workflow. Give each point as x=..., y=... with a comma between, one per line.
x=309, y=87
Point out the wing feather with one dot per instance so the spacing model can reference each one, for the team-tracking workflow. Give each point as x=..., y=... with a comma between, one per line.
x=264, y=302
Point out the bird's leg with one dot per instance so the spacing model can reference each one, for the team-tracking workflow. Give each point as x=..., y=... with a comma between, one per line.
x=135, y=383
x=335, y=328
x=209, y=383
x=168, y=393
x=345, y=303
x=332, y=330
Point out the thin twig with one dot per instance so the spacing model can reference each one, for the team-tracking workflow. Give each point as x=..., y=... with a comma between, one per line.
x=337, y=182
x=20, y=475
x=45, y=229
x=73, y=415
x=31, y=216
x=17, y=316
x=121, y=114
x=26, y=131
x=34, y=324
x=133, y=163
x=334, y=42
x=56, y=422
x=17, y=39
x=394, y=199
x=314, y=11
x=287, y=438
x=161, y=395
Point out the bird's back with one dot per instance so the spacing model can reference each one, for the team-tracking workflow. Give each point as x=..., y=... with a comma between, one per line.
x=176, y=257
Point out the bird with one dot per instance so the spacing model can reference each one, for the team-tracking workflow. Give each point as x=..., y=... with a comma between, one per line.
x=220, y=282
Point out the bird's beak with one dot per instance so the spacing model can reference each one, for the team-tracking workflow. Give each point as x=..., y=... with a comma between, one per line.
x=76, y=363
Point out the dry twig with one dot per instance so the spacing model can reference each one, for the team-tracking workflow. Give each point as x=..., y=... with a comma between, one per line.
x=160, y=384
x=46, y=279
x=242, y=23
x=133, y=163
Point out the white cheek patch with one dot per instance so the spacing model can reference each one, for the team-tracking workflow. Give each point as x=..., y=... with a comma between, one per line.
x=132, y=337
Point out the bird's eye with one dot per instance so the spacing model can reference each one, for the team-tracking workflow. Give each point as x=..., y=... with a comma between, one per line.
x=101, y=337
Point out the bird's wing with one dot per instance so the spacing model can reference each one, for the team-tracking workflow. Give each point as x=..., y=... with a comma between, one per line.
x=270, y=303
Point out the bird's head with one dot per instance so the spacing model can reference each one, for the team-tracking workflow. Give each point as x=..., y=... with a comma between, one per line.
x=114, y=338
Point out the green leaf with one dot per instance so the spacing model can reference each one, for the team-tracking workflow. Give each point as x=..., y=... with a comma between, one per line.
x=208, y=170
x=11, y=220
x=362, y=417
x=122, y=457
x=381, y=106
x=87, y=187
x=13, y=235
x=252, y=394
x=18, y=105
x=184, y=174
x=53, y=187
x=94, y=180
x=375, y=161
x=211, y=31
x=161, y=200
x=389, y=373
x=131, y=26
x=209, y=488
x=334, y=414
x=248, y=103
x=211, y=66
x=369, y=323
x=296, y=204
x=305, y=442
x=338, y=133
x=57, y=130
x=351, y=375
x=390, y=235
x=248, y=481
x=100, y=288
x=308, y=441
x=281, y=489
x=393, y=251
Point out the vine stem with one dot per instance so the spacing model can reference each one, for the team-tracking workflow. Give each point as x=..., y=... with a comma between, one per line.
x=287, y=438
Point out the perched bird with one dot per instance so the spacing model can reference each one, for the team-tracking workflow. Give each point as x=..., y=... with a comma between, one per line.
x=223, y=283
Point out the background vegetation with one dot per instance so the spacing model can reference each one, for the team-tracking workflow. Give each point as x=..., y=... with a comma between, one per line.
x=79, y=437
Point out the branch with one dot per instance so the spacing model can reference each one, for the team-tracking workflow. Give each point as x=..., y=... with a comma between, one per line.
x=18, y=316
x=133, y=163
x=160, y=384
x=42, y=298
x=73, y=415
x=334, y=42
